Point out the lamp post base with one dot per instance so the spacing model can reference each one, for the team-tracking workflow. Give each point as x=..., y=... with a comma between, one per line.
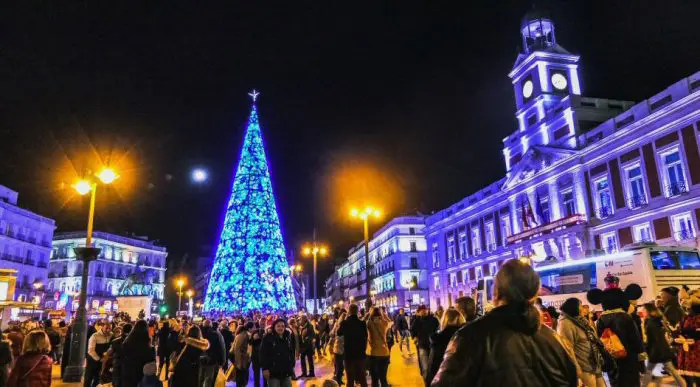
x=78, y=339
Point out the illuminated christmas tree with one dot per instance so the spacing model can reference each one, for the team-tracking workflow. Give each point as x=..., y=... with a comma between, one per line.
x=250, y=269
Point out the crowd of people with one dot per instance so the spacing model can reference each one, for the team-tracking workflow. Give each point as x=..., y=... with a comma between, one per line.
x=517, y=342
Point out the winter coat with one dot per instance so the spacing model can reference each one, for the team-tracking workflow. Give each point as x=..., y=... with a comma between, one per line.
x=624, y=327
x=134, y=357
x=582, y=346
x=163, y=347
x=306, y=337
x=240, y=350
x=31, y=370
x=657, y=347
x=174, y=344
x=322, y=327
x=277, y=354
x=228, y=338
x=255, y=342
x=673, y=312
x=376, y=329
x=216, y=354
x=187, y=366
x=401, y=323
x=354, y=332
x=422, y=328
x=6, y=359
x=117, y=360
x=506, y=348
x=438, y=344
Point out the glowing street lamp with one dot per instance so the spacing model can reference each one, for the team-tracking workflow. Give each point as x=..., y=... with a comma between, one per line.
x=180, y=283
x=75, y=368
x=365, y=215
x=315, y=250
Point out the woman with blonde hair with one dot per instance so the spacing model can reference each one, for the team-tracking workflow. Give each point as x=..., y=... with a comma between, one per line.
x=33, y=366
x=451, y=321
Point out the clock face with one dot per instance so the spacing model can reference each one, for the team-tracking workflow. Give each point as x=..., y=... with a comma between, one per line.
x=527, y=89
x=559, y=81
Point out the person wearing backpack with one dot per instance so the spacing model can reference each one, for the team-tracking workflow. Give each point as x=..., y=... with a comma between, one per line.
x=617, y=330
x=573, y=327
x=657, y=345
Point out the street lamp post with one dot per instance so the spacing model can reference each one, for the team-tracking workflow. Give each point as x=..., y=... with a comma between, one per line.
x=190, y=293
x=75, y=368
x=37, y=288
x=315, y=250
x=365, y=215
x=180, y=283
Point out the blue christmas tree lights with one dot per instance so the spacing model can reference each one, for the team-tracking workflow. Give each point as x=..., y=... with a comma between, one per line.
x=250, y=271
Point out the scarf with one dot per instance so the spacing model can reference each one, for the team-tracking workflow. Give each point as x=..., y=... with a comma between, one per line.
x=596, y=357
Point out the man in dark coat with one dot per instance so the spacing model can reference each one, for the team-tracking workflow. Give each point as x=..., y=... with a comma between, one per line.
x=401, y=327
x=423, y=326
x=307, y=337
x=117, y=354
x=509, y=346
x=227, y=335
x=215, y=355
x=354, y=333
x=163, y=348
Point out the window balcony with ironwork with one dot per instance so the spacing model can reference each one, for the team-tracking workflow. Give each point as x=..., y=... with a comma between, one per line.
x=491, y=246
x=604, y=212
x=637, y=201
x=476, y=251
x=610, y=249
x=684, y=235
x=675, y=189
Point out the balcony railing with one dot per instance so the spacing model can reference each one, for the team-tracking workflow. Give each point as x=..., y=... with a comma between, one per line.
x=675, y=189
x=476, y=251
x=637, y=201
x=684, y=235
x=491, y=247
x=604, y=212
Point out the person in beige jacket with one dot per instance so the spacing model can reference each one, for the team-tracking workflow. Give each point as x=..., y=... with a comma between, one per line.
x=378, y=324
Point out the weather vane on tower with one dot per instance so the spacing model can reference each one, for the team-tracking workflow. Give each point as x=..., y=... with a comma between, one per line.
x=254, y=95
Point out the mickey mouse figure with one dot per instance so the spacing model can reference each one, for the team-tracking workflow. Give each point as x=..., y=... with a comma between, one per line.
x=618, y=331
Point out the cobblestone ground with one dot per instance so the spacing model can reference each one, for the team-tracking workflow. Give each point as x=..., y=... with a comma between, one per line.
x=403, y=371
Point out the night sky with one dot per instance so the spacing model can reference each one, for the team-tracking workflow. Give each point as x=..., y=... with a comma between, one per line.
x=399, y=106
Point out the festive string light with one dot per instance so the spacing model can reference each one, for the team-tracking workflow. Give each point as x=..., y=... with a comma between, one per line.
x=250, y=271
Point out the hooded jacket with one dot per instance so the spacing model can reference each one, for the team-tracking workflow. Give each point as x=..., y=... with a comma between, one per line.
x=506, y=347
x=277, y=354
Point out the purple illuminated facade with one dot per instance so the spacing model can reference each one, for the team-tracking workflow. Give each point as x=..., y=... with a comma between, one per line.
x=583, y=175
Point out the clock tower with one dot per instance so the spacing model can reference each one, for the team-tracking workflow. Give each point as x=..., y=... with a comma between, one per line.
x=544, y=75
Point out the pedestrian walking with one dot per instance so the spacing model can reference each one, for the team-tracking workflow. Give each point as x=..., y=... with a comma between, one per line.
x=307, y=338
x=401, y=328
x=354, y=333
x=242, y=355
x=137, y=352
x=657, y=346
x=337, y=344
x=423, y=326
x=98, y=344
x=508, y=346
x=116, y=352
x=163, y=337
x=277, y=355
x=187, y=368
x=451, y=321
x=378, y=324
x=33, y=367
x=574, y=328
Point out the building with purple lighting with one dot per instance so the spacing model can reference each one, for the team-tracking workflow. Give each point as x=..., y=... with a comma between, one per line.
x=25, y=246
x=398, y=267
x=583, y=175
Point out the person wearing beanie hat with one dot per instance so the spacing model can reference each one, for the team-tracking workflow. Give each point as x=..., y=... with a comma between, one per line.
x=149, y=376
x=671, y=306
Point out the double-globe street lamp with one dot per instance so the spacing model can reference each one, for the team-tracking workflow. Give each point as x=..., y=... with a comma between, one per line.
x=75, y=368
x=365, y=215
x=315, y=250
x=180, y=283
